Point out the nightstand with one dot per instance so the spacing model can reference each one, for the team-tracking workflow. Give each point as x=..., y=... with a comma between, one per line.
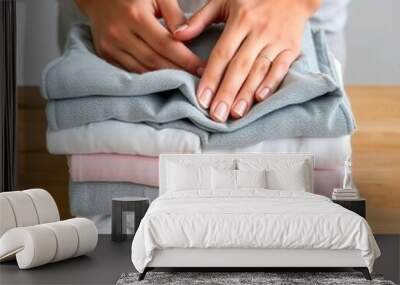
x=357, y=206
x=137, y=205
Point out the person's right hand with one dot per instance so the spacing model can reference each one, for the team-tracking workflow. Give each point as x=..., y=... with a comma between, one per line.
x=127, y=33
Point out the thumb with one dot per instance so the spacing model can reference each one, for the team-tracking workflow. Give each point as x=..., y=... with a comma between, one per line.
x=196, y=24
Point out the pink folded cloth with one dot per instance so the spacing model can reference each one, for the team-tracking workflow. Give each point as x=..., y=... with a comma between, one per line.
x=114, y=168
x=144, y=170
x=327, y=179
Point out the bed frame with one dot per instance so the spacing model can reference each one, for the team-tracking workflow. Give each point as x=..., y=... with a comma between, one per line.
x=237, y=259
x=256, y=260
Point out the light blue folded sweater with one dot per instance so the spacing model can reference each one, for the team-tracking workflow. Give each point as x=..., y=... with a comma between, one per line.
x=82, y=88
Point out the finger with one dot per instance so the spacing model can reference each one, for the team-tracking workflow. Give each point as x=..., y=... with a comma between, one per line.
x=129, y=63
x=236, y=74
x=115, y=63
x=140, y=50
x=279, y=69
x=172, y=13
x=161, y=41
x=245, y=99
x=124, y=60
x=269, y=53
x=196, y=24
x=222, y=53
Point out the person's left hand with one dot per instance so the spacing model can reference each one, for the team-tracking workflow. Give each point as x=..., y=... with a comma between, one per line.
x=260, y=41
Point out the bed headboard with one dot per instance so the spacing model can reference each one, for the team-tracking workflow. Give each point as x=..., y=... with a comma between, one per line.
x=232, y=161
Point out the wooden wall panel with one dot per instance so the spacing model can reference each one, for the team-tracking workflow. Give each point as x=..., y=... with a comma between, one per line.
x=376, y=153
x=36, y=167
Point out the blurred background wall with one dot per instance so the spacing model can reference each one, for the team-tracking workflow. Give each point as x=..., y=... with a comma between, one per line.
x=373, y=41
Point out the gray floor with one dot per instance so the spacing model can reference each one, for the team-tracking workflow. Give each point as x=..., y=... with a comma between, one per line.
x=389, y=262
x=103, y=266
x=110, y=260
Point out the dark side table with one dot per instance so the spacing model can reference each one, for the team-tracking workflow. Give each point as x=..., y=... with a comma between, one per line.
x=357, y=206
x=137, y=205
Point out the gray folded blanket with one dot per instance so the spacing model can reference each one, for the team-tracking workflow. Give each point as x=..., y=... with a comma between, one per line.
x=83, y=88
x=95, y=198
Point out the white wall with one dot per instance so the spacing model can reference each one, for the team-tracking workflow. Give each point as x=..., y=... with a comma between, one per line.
x=373, y=42
x=373, y=36
x=36, y=38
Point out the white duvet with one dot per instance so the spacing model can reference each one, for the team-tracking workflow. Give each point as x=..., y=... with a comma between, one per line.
x=250, y=219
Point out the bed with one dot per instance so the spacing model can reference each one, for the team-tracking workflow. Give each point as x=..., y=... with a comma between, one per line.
x=245, y=211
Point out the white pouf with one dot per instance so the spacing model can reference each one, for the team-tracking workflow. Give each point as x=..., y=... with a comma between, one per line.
x=31, y=231
x=23, y=208
x=26, y=208
x=7, y=220
x=45, y=205
x=37, y=245
x=87, y=233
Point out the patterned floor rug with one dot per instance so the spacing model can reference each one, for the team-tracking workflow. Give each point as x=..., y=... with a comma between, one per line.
x=244, y=278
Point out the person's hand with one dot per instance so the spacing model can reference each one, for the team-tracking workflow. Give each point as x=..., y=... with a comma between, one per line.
x=127, y=33
x=261, y=39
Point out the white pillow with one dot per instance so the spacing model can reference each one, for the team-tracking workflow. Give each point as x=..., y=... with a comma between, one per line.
x=291, y=179
x=282, y=174
x=223, y=179
x=227, y=179
x=251, y=178
x=182, y=178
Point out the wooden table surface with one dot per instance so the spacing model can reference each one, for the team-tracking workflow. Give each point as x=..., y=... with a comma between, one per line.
x=376, y=152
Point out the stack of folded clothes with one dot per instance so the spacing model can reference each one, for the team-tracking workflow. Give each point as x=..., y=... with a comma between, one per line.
x=345, y=194
x=113, y=124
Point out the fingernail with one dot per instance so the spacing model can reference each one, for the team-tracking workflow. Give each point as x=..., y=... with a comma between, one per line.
x=263, y=93
x=221, y=111
x=240, y=108
x=181, y=28
x=205, y=98
x=200, y=71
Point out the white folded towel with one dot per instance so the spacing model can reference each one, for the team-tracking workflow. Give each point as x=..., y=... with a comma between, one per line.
x=345, y=194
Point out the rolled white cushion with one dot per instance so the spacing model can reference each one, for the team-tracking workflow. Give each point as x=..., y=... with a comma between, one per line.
x=26, y=208
x=7, y=218
x=40, y=244
x=87, y=233
x=67, y=240
x=23, y=208
x=45, y=205
x=33, y=246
